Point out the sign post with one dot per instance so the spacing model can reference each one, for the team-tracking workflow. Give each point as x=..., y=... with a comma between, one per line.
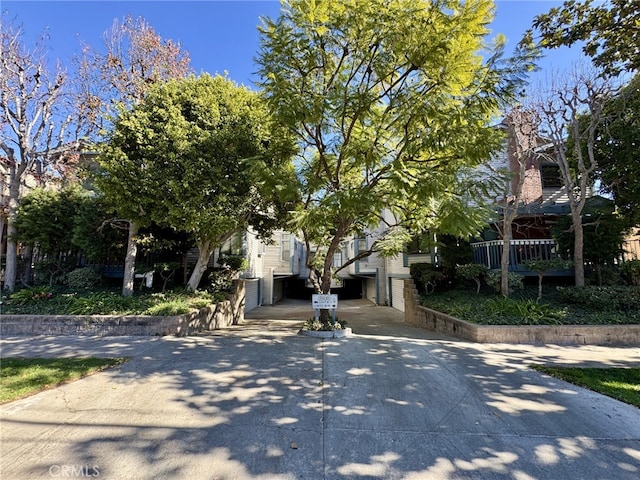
x=324, y=302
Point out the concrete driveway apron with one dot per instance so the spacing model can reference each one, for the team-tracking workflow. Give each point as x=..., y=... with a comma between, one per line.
x=258, y=401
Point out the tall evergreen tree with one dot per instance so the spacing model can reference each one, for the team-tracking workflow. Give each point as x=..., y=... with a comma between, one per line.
x=183, y=156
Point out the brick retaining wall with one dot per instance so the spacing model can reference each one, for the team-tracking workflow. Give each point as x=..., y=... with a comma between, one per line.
x=220, y=315
x=423, y=317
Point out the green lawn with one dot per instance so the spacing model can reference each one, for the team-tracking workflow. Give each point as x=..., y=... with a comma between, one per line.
x=620, y=383
x=21, y=377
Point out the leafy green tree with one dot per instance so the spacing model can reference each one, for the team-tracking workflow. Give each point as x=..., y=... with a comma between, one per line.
x=391, y=105
x=182, y=158
x=426, y=276
x=472, y=271
x=616, y=149
x=609, y=31
x=45, y=221
x=134, y=58
x=604, y=234
x=542, y=267
x=454, y=251
x=95, y=235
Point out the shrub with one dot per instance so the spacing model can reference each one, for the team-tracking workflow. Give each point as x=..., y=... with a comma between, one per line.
x=472, y=271
x=235, y=263
x=103, y=303
x=529, y=311
x=31, y=294
x=631, y=271
x=171, y=307
x=30, y=301
x=544, y=266
x=426, y=276
x=316, y=325
x=493, y=278
x=220, y=282
x=619, y=298
x=522, y=308
x=83, y=279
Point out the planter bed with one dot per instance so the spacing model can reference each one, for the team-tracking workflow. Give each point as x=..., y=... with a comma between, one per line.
x=208, y=318
x=415, y=314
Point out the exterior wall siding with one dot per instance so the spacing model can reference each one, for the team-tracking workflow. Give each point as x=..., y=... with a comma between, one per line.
x=370, y=292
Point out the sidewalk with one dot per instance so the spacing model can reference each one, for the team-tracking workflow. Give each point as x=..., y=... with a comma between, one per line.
x=258, y=401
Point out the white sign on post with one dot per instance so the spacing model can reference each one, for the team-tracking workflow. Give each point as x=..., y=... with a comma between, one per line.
x=324, y=302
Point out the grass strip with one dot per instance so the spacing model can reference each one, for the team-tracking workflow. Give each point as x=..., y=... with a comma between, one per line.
x=21, y=377
x=620, y=383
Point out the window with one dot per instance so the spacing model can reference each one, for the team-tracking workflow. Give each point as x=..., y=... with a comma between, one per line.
x=551, y=177
x=285, y=247
x=361, y=245
x=234, y=245
x=337, y=260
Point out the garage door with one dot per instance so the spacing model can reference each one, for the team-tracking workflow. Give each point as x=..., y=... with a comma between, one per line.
x=251, y=294
x=397, y=293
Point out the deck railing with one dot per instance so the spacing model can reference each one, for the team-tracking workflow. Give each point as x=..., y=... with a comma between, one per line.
x=520, y=251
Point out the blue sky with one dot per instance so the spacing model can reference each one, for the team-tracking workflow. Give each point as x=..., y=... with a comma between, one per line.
x=219, y=35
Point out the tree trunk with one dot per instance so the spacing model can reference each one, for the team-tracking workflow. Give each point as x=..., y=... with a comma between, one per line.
x=325, y=287
x=540, y=275
x=130, y=261
x=28, y=260
x=11, y=268
x=578, y=247
x=504, y=259
x=3, y=223
x=204, y=253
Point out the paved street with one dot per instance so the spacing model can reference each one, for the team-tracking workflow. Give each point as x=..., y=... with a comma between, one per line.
x=258, y=401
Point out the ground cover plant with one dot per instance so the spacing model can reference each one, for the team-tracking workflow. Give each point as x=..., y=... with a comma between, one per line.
x=53, y=301
x=317, y=326
x=561, y=305
x=25, y=376
x=620, y=383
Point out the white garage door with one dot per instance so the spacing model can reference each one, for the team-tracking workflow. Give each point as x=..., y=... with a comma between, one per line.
x=251, y=294
x=397, y=293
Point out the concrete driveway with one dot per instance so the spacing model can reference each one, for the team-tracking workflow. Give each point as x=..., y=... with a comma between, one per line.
x=258, y=401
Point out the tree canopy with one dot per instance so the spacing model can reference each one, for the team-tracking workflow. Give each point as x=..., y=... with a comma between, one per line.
x=616, y=149
x=609, y=31
x=391, y=104
x=133, y=58
x=46, y=219
x=182, y=158
x=604, y=233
